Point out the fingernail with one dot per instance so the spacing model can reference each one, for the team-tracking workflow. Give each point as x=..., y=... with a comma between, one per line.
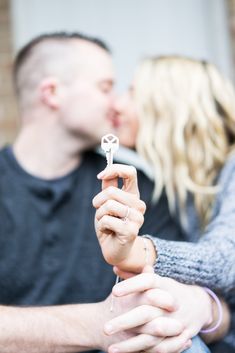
x=101, y=175
x=115, y=350
x=108, y=329
x=117, y=290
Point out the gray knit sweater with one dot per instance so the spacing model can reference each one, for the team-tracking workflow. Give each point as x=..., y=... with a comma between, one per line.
x=209, y=259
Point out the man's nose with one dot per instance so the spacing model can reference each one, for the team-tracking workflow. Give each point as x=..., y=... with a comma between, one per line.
x=117, y=103
x=113, y=101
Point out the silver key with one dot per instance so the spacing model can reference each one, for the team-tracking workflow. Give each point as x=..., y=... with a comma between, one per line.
x=110, y=145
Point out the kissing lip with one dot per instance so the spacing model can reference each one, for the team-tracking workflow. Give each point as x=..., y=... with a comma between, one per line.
x=115, y=120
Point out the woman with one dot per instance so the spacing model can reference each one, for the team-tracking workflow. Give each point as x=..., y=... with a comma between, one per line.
x=182, y=115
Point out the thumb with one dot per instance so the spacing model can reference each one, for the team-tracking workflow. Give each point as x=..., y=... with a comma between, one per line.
x=112, y=181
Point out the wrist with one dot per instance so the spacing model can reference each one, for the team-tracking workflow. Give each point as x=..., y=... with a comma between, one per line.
x=217, y=313
x=151, y=251
x=209, y=310
x=102, y=314
x=141, y=254
x=102, y=341
x=205, y=307
x=86, y=326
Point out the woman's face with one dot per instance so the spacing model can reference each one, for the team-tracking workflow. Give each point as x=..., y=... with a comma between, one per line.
x=126, y=117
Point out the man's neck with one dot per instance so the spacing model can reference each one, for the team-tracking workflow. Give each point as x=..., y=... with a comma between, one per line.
x=46, y=153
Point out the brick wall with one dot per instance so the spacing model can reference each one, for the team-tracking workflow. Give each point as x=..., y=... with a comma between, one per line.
x=8, y=113
x=231, y=17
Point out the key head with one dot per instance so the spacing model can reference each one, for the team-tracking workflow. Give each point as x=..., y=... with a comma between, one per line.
x=109, y=143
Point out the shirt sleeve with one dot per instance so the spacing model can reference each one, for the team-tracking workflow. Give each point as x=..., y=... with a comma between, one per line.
x=210, y=261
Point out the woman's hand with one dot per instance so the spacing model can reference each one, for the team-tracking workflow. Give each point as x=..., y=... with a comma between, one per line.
x=119, y=213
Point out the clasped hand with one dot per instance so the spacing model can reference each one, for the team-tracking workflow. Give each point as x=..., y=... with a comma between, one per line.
x=155, y=314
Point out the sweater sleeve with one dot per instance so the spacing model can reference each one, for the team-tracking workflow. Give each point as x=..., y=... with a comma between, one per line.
x=209, y=262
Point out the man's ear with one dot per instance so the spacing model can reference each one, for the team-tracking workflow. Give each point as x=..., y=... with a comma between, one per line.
x=49, y=92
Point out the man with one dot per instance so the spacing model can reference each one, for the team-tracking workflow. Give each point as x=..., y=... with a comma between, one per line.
x=49, y=252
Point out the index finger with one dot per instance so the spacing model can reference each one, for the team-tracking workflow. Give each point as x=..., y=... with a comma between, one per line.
x=133, y=318
x=138, y=283
x=126, y=172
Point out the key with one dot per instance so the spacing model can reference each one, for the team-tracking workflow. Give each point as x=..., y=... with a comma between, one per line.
x=110, y=145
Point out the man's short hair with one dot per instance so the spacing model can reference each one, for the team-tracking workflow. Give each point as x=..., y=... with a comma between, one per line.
x=26, y=51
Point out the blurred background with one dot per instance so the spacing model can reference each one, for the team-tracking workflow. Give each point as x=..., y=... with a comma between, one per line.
x=203, y=29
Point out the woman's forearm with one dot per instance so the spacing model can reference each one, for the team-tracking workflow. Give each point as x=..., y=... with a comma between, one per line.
x=206, y=263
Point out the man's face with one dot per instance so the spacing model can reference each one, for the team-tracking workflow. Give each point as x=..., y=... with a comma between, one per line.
x=86, y=109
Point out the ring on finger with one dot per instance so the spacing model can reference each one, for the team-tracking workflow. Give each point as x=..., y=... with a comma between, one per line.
x=125, y=218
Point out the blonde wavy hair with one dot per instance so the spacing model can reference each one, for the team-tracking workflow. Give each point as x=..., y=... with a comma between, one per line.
x=186, y=111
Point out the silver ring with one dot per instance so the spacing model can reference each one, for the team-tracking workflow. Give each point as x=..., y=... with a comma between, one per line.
x=127, y=214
